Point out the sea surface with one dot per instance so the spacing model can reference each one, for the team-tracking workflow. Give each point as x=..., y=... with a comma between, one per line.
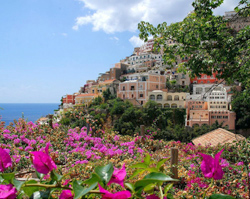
x=31, y=112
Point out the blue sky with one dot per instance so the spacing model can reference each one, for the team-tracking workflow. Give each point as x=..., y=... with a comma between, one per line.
x=49, y=48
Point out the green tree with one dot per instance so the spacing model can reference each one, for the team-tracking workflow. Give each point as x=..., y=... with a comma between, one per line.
x=241, y=106
x=97, y=101
x=207, y=40
x=107, y=95
x=151, y=112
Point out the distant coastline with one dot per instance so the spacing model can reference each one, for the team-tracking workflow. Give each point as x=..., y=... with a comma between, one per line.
x=30, y=111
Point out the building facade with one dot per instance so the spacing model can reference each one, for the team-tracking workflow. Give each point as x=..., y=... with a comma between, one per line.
x=139, y=87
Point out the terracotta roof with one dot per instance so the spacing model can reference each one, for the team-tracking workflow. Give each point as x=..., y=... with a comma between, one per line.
x=218, y=136
x=42, y=119
x=107, y=81
x=86, y=94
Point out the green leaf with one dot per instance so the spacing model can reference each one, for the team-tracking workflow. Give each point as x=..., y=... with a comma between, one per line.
x=1, y=179
x=167, y=188
x=41, y=194
x=136, y=173
x=8, y=176
x=18, y=184
x=149, y=188
x=139, y=166
x=55, y=176
x=130, y=186
x=170, y=196
x=220, y=196
x=30, y=190
x=80, y=191
x=20, y=195
x=94, y=178
x=153, y=177
x=39, y=175
x=161, y=162
x=147, y=159
x=159, y=177
x=105, y=172
x=152, y=169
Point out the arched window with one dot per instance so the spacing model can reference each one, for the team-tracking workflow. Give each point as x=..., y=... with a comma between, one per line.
x=159, y=97
x=166, y=106
x=159, y=105
x=173, y=105
x=176, y=97
x=169, y=98
x=152, y=97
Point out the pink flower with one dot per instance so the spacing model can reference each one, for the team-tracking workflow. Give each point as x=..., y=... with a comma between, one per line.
x=211, y=167
x=224, y=163
x=192, y=166
x=8, y=191
x=118, y=176
x=42, y=161
x=107, y=195
x=240, y=163
x=66, y=194
x=5, y=160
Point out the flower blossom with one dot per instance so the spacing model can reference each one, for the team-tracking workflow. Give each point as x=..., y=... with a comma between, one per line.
x=5, y=160
x=118, y=176
x=8, y=191
x=107, y=195
x=66, y=194
x=42, y=161
x=211, y=167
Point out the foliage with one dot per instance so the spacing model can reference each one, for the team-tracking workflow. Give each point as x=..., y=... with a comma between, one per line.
x=107, y=95
x=207, y=40
x=84, y=160
x=241, y=106
x=73, y=118
x=97, y=101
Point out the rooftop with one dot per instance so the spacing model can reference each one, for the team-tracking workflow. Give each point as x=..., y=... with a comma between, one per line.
x=218, y=136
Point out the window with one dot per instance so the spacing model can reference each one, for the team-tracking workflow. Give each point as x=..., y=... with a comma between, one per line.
x=152, y=97
x=225, y=117
x=156, y=86
x=174, y=106
x=123, y=88
x=198, y=90
x=132, y=88
x=166, y=106
x=169, y=97
x=219, y=117
x=141, y=95
x=176, y=97
x=132, y=96
x=159, y=97
x=213, y=117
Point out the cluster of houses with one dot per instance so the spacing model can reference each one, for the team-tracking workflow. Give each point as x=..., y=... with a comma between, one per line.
x=144, y=76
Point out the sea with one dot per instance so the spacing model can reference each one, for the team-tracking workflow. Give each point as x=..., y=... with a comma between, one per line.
x=30, y=112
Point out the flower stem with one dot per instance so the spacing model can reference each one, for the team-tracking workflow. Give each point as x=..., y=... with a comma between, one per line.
x=161, y=193
x=56, y=186
x=211, y=184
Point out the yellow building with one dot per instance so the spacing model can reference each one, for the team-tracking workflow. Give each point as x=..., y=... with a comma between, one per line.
x=166, y=99
x=85, y=98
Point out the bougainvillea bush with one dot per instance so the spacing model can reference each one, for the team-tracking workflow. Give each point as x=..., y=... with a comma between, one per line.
x=37, y=161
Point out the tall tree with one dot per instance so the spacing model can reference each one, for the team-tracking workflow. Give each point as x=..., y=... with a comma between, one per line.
x=207, y=40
